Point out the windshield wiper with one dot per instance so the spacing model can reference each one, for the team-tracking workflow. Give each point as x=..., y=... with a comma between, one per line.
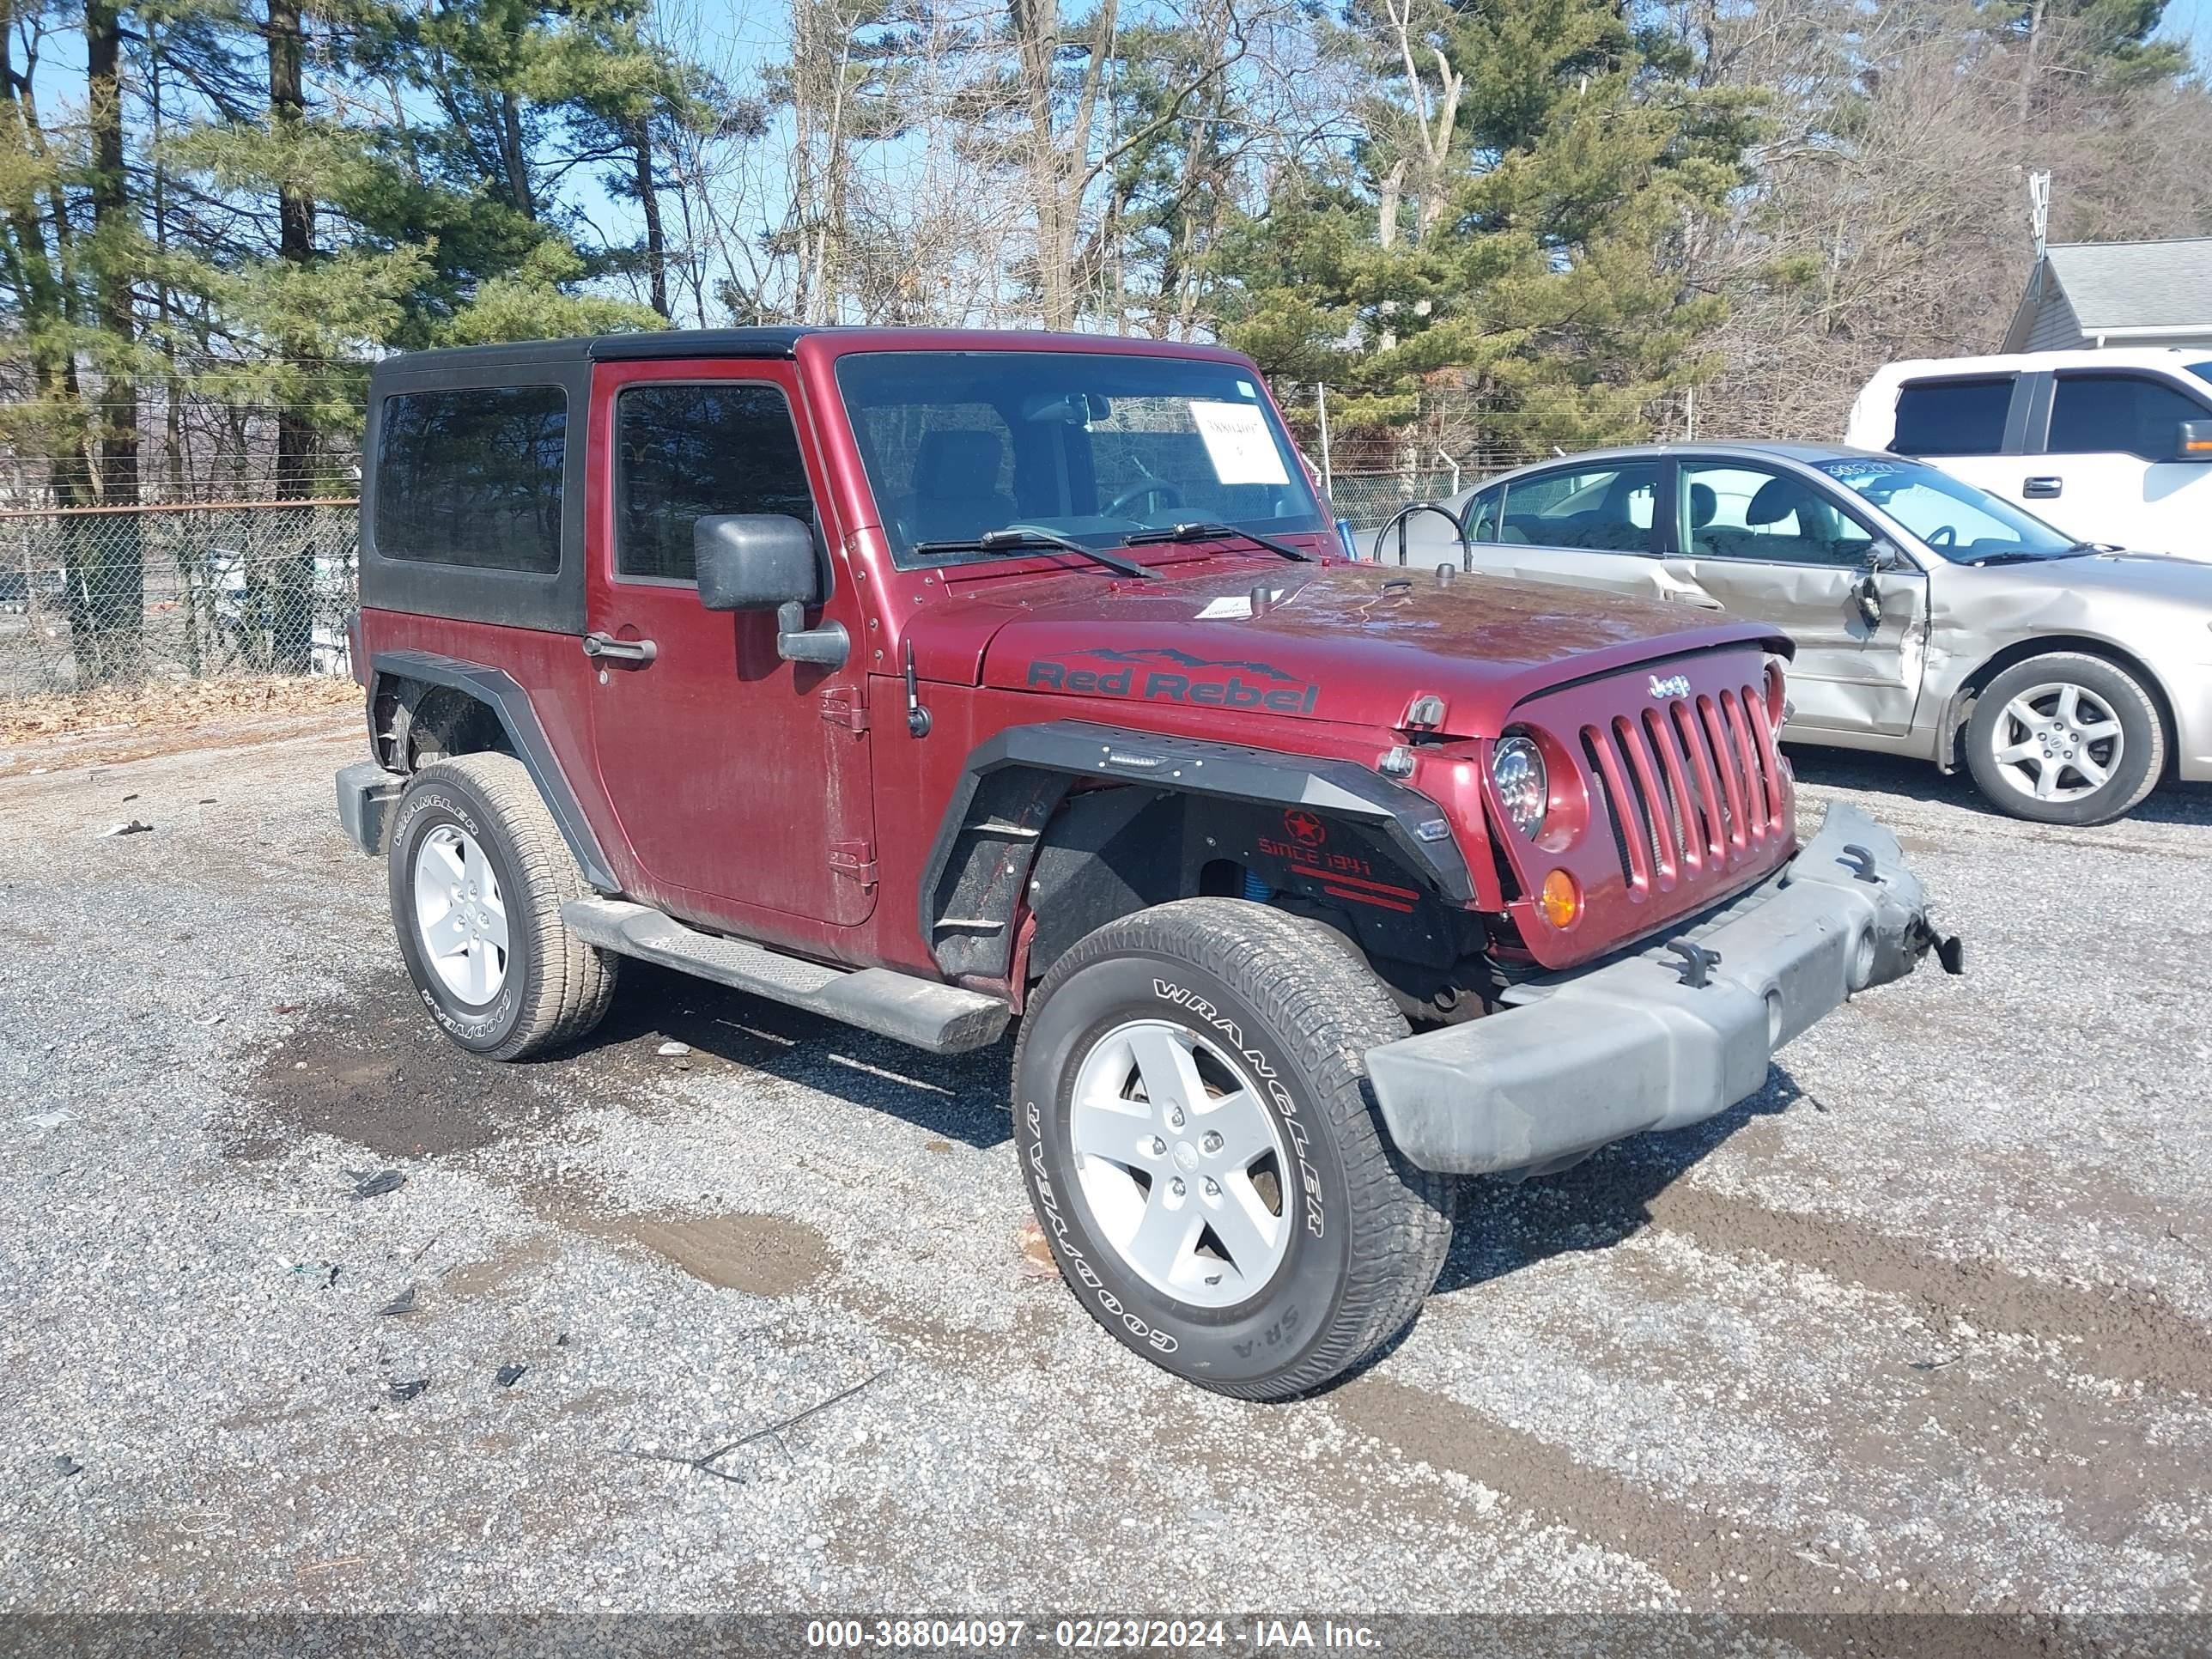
x=2023, y=557
x=1208, y=533
x=1015, y=537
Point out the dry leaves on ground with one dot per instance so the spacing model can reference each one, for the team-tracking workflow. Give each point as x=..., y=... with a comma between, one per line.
x=168, y=704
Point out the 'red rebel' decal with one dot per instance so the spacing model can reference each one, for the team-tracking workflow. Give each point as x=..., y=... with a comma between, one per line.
x=1166, y=675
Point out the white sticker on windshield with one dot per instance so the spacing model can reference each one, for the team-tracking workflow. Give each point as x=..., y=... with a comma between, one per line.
x=1220, y=609
x=1238, y=443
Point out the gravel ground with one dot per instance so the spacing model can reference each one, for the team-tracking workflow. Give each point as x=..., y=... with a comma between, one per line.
x=1926, y=1327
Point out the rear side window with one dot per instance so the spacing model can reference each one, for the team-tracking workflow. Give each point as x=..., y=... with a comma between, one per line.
x=2119, y=414
x=1952, y=418
x=473, y=477
x=1608, y=510
x=690, y=451
x=1482, y=516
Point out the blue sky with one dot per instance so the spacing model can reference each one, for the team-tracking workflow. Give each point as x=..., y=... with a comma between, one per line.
x=2187, y=17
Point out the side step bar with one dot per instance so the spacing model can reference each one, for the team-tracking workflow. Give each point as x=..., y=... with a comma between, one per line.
x=942, y=1018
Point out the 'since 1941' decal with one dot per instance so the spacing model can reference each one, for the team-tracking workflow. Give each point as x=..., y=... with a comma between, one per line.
x=1166, y=675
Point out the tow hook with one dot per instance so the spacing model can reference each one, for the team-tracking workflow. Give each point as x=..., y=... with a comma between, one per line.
x=1696, y=962
x=1860, y=862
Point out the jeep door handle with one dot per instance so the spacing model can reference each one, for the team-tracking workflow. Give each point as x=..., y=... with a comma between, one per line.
x=606, y=647
x=2042, y=490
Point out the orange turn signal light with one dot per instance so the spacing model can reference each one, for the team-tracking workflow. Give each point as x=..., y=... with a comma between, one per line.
x=1559, y=899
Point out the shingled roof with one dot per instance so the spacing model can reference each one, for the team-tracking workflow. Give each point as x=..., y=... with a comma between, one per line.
x=2085, y=293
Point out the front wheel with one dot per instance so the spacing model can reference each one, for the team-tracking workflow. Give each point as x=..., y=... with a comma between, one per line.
x=2065, y=738
x=1192, y=1116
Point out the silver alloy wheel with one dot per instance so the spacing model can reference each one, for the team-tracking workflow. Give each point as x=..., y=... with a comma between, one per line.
x=1181, y=1163
x=460, y=916
x=2058, y=741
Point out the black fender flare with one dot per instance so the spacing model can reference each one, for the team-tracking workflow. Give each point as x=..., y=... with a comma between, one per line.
x=510, y=704
x=971, y=885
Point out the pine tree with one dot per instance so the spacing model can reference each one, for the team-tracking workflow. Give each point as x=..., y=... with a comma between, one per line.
x=1512, y=224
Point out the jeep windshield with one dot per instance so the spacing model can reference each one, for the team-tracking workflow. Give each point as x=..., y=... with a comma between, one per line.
x=1964, y=524
x=1093, y=447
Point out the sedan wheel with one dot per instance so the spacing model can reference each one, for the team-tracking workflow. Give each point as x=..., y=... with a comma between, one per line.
x=2056, y=742
x=2065, y=738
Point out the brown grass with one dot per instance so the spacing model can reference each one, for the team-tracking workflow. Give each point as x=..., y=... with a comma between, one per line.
x=152, y=708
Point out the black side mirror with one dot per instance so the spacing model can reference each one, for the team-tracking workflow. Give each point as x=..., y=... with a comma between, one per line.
x=1869, y=596
x=2193, y=442
x=755, y=562
x=1866, y=593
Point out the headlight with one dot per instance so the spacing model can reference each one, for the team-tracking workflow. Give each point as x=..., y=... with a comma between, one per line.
x=1517, y=767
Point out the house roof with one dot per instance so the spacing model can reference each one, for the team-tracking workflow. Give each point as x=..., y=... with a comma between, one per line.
x=2136, y=285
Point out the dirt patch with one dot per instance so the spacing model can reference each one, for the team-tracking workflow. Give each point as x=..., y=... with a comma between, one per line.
x=376, y=1071
x=496, y=1273
x=1712, y=1559
x=2107, y=1330
x=759, y=1254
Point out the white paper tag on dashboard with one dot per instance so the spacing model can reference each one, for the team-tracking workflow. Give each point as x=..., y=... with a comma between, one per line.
x=1238, y=443
x=1236, y=606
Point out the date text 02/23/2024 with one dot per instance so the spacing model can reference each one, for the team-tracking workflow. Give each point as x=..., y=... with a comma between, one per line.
x=1089, y=1635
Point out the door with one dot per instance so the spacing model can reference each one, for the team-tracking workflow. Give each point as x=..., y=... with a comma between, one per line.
x=1589, y=526
x=1774, y=547
x=2108, y=473
x=740, y=780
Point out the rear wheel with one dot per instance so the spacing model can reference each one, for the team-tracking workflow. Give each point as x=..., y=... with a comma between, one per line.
x=2065, y=738
x=1191, y=1117
x=478, y=873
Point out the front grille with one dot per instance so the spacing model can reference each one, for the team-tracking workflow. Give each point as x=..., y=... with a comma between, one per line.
x=1692, y=786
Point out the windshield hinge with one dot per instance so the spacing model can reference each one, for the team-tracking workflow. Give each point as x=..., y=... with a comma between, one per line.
x=841, y=706
x=855, y=860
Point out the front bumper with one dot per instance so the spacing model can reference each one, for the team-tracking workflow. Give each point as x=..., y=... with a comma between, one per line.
x=1586, y=1058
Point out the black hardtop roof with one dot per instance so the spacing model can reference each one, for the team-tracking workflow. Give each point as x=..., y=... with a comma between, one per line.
x=606, y=349
x=461, y=364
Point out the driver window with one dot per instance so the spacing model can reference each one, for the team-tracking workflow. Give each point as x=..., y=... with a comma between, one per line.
x=1750, y=512
x=685, y=450
x=1608, y=510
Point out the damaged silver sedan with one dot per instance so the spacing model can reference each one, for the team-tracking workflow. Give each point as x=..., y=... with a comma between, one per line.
x=1932, y=619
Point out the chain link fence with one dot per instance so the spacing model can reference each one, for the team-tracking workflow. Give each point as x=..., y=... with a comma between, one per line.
x=104, y=596
x=1367, y=498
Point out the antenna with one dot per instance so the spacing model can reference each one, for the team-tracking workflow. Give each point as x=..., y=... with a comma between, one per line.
x=2039, y=207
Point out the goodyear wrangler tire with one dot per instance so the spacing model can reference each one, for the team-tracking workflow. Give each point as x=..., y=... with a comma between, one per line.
x=1192, y=1116
x=478, y=872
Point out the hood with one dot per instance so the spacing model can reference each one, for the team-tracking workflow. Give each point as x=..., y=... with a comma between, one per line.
x=2156, y=574
x=1349, y=643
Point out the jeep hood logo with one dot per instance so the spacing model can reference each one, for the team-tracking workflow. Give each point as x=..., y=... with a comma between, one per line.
x=1163, y=674
x=1674, y=685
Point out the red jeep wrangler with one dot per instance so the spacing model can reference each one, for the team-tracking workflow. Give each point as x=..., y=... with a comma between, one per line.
x=935, y=680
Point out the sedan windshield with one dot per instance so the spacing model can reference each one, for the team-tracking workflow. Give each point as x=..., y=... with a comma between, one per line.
x=1967, y=525
x=1090, y=445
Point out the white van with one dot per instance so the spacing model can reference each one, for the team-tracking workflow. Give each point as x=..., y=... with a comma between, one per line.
x=2110, y=447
